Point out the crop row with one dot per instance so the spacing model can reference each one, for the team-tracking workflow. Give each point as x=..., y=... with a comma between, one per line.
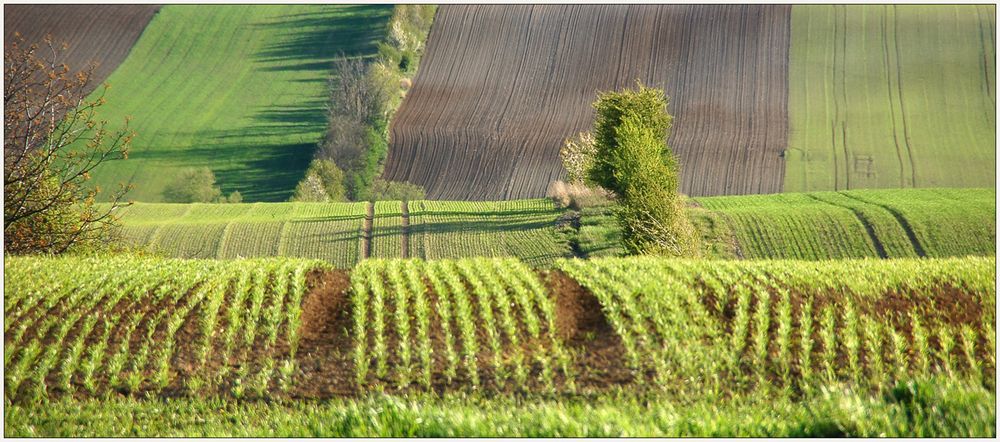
x=147, y=326
x=520, y=228
x=472, y=321
x=152, y=326
x=791, y=325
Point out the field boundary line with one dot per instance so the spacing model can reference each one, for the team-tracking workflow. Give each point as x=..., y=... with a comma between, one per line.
x=910, y=234
x=366, y=230
x=869, y=227
x=405, y=228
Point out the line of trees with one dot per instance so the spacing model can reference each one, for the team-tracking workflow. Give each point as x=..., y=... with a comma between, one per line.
x=363, y=96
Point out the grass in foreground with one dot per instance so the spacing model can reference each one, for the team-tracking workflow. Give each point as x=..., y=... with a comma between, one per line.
x=931, y=407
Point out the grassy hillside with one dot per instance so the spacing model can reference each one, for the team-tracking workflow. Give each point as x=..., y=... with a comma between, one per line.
x=890, y=223
x=618, y=330
x=890, y=96
x=335, y=232
x=240, y=89
x=820, y=225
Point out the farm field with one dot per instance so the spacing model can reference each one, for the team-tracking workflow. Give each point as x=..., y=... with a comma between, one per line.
x=240, y=89
x=490, y=107
x=285, y=328
x=521, y=228
x=891, y=96
x=820, y=225
x=93, y=33
x=942, y=408
x=816, y=259
x=896, y=223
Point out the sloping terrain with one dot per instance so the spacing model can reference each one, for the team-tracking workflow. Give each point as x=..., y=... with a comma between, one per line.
x=891, y=96
x=898, y=223
x=284, y=328
x=501, y=87
x=240, y=89
x=93, y=33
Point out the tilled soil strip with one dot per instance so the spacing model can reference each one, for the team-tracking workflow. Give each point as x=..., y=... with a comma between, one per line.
x=366, y=233
x=406, y=229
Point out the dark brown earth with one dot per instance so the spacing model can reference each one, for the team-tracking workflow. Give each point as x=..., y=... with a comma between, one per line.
x=98, y=33
x=501, y=86
x=600, y=361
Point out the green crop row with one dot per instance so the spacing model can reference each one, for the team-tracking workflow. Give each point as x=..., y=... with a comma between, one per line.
x=148, y=326
x=892, y=223
x=791, y=325
x=452, y=323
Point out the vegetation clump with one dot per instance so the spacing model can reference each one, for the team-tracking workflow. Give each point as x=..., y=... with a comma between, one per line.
x=197, y=185
x=362, y=99
x=632, y=160
x=53, y=141
x=324, y=182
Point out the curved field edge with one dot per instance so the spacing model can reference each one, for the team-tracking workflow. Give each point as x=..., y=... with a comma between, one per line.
x=501, y=86
x=240, y=89
x=289, y=329
x=103, y=34
x=931, y=407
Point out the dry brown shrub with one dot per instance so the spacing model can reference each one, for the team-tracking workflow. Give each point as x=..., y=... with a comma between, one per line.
x=577, y=196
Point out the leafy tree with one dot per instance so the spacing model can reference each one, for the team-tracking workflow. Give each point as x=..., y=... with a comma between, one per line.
x=383, y=190
x=193, y=185
x=53, y=140
x=323, y=182
x=632, y=159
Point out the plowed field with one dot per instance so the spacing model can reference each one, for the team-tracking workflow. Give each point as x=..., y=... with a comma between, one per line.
x=500, y=87
x=99, y=33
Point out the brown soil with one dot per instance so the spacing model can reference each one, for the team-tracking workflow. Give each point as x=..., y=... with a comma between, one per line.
x=366, y=233
x=406, y=229
x=94, y=33
x=600, y=355
x=324, y=355
x=501, y=86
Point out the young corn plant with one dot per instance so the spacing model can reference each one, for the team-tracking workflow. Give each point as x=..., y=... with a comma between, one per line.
x=444, y=311
x=828, y=336
x=421, y=311
x=378, y=318
x=359, y=305
x=921, y=349
x=401, y=301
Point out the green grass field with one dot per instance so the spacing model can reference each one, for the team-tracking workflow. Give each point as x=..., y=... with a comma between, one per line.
x=889, y=96
x=923, y=408
x=897, y=223
x=240, y=89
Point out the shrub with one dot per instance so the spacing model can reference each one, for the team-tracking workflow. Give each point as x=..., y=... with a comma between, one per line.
x=383, y=190
x=632, y=160
x=577, y=196
x=235, y=197
x=323, y=182
x=192, y=185
x=53, y=140
x=577, y=155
